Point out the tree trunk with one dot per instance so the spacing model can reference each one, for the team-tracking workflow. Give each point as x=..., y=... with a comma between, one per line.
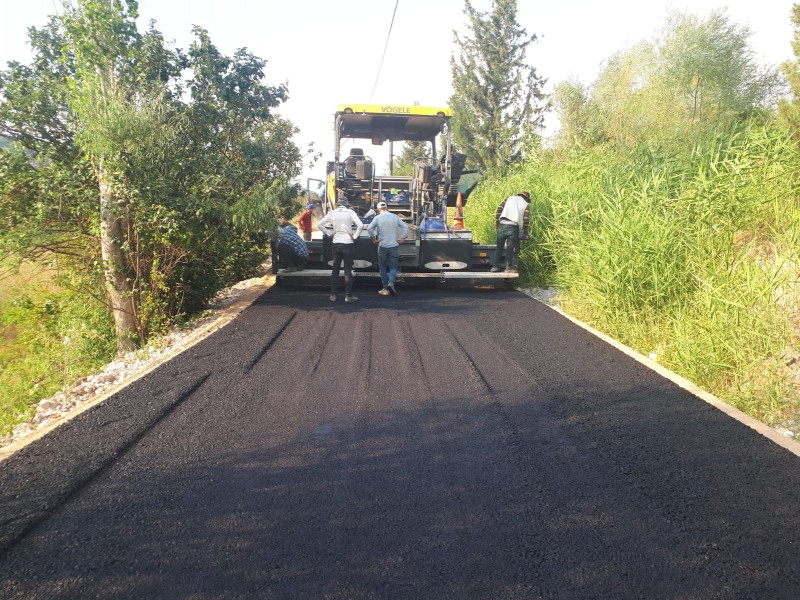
x=119, y=285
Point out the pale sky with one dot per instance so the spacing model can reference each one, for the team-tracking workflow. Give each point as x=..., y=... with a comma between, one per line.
x=330, y=52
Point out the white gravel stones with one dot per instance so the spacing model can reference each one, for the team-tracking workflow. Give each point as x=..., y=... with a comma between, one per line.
x=549, y=296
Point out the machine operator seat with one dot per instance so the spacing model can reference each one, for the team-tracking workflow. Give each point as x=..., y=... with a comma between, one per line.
x=358, y=166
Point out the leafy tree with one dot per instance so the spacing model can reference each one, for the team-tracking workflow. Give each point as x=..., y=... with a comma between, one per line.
x=497, y=98
x=698, y=75
x=103, y=42
x=714, y=69
x=579, y=118
x=789, y=109
x=160, y=186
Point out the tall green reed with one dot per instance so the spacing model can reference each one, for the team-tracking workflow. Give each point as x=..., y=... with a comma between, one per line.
x=689, y=253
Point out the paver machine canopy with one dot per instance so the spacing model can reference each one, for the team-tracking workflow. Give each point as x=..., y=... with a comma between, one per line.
x=421, y=197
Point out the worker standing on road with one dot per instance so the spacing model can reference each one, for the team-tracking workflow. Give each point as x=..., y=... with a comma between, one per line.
x=389, y=231
x=511, y=223
x=304, y=222
x=339, y=223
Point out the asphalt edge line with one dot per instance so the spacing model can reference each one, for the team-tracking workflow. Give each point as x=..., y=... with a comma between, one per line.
x=35, y=517
x=224, y=318
x=733, y=412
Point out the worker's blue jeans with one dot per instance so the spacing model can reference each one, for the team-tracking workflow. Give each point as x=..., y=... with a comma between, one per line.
x=387, y=264
x=507, y=235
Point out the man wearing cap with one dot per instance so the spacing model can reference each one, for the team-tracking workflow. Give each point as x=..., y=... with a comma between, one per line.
x=511, y=223
x=304, y=222
x=339, y=223
x=390, y=231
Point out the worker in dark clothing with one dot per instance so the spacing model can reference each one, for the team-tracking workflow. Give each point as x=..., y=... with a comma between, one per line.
x=511, y=223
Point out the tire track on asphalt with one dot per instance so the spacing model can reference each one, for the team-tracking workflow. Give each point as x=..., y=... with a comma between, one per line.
x=319, y=346
x=416, y=356
x=491, y=382
x=79, y=451
x=367, y=367
x=316, y=476
x=467, y=433
x=508, y=386
x=266, y=348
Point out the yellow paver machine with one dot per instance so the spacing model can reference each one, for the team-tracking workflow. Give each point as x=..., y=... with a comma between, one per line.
x=438, y=250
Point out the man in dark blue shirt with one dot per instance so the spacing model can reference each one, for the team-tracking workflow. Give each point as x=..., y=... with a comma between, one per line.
x=292, y=250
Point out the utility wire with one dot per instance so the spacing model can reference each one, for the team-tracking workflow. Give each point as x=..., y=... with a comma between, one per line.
x=384, y=51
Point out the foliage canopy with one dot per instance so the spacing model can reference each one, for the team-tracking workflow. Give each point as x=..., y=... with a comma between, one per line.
x=152, y=172
x=698, y=74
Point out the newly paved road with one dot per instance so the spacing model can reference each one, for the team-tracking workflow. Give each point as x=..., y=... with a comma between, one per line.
x=465, y=445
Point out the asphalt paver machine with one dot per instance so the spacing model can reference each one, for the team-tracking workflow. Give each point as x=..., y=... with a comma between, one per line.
x=439, y=248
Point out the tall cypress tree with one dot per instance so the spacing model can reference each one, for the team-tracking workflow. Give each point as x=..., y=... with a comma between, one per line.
x=497, y=97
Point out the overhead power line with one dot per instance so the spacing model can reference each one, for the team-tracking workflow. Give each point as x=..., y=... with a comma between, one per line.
x=388, y=35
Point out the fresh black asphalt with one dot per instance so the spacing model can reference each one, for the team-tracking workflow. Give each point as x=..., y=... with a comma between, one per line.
x=440, y=444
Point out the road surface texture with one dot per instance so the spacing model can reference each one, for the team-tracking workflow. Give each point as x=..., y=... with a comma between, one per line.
x=440, y=444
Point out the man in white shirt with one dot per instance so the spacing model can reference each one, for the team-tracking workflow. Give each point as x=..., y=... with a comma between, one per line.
x=389, y=231
x=511, y=223
x=339, y=223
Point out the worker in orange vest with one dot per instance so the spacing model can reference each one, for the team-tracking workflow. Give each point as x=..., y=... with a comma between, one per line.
x=304, y=222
